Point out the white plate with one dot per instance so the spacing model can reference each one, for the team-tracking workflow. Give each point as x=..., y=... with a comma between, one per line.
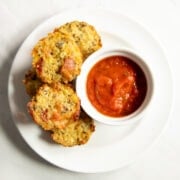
x=110, y=147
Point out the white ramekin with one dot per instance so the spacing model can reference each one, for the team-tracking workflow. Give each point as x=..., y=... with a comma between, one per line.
x=82, y=91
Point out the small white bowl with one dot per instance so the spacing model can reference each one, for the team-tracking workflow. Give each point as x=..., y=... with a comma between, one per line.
x=82, y=90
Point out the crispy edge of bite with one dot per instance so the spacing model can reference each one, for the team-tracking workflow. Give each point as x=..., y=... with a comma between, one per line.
x=84, y=34
x=57, y=58
x=54, y=106
x=31, y=82
x=75, y=133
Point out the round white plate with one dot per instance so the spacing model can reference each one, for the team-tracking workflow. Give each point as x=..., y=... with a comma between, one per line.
x=110, y=147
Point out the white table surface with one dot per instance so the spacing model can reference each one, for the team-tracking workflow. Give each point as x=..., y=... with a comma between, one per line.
x=18, y=18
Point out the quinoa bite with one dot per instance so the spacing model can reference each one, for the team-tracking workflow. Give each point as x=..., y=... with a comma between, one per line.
x=56, y=58
x=54, y=105
x=84, y=35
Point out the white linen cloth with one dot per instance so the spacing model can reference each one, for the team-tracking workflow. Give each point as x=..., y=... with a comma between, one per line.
x=17, y=19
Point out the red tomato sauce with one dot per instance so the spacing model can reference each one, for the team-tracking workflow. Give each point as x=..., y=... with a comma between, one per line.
x=116, y=86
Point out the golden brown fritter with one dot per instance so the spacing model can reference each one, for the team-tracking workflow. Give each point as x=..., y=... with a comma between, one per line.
x=54, y=106
x=75, y=133
x=32, y=82
x=57, y=58
x=84, y=34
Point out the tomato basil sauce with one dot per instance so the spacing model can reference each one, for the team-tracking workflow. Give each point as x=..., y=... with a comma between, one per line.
x=116, y=86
